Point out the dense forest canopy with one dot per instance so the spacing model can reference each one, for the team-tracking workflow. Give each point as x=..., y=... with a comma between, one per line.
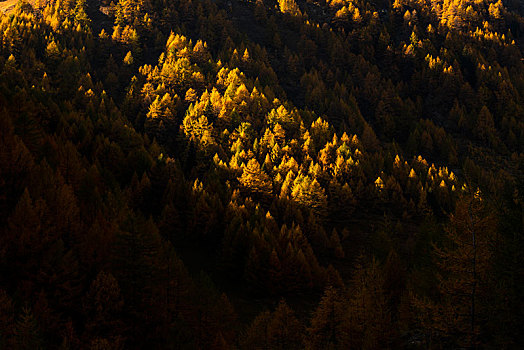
x=226, y=174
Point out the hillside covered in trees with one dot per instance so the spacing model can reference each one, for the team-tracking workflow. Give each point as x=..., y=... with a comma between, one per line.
x=233, y=174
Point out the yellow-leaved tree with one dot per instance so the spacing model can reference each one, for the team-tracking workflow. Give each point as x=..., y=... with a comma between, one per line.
x=464, y=277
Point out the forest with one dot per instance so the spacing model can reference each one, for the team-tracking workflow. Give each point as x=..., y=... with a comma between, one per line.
x=261, y=174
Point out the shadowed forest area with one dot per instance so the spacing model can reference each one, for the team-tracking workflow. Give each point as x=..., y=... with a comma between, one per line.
x=318, y=174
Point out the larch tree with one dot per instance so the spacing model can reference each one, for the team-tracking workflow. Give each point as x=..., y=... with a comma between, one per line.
x=276, y=330
x=464, y=278
x=254, y=179
x=330, y=323
x=310, y=193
